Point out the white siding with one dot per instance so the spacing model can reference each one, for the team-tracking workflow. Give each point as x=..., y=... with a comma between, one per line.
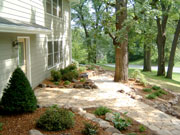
x=33, y=11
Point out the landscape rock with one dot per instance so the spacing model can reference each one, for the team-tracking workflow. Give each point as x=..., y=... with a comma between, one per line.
x=89, y=116
x=83, y=75
x=34, y=132
x=75, y=81
x=112, y=130
x=109, y=117
x=104, y=124
x=77, y=109
x=117, y=134
x=78, y=86
x=42, y=85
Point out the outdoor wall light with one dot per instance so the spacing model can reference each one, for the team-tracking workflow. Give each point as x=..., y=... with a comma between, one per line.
x=15, y=44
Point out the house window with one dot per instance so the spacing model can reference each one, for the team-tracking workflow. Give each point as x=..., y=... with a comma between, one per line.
x=61, y=52
x=55, y=55
x=48, y=6
x=54, y=7
x=60, y=8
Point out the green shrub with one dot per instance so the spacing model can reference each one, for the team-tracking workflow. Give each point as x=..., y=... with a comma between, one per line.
x=157, y=93
x=101, y=110
x=56, y=119
x=67, y=82
x=137, y=75
x=56, y=75
x=82, y=69
x=163, y=92
x=156, y=87
x=151, y=96
x=142, y=128
x=89, y=129
x=119, y=122
x=1, y=126
x=82, y=80
x=91, y=67
x=147, y=90
x=132, y=134
x=72, y=67
x=69, y=76
x=18, y=96
x=56, y=83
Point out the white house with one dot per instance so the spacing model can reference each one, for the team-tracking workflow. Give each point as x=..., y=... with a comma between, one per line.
x=35, y=35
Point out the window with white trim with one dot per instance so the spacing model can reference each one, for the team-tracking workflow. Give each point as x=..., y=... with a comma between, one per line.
x=55, y=53
x=54, y=7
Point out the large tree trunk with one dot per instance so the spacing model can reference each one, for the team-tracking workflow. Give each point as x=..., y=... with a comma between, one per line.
x=147, y=58
x=173, y=51
x=161, y=41
x=121, y=70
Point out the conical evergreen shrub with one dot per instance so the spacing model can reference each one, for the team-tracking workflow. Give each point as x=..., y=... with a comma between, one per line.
x=18, y=96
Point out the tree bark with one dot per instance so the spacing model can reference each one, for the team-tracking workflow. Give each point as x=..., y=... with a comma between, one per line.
x=121, y=69
x=147, y=58
x=173, y=51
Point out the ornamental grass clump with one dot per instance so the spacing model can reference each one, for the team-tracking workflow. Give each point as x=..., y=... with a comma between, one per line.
x=102, y=110
x=90, y=129
x=18, y=96
x=56, y=119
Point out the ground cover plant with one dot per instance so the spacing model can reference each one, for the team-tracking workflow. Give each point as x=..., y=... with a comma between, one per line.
x=18, y=96
x=102, y=110
x=90, y=129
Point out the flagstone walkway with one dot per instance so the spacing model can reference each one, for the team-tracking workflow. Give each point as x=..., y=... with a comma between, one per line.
x=108, y=95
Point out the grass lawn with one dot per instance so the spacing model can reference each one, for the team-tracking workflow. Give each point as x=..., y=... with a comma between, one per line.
x=173, y=85
x=140, y=62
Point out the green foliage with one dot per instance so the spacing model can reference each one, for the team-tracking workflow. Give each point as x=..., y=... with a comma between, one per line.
x=82, y=69
x=67, y=83
x=18, y=96
x=89, y=129
x=56, y=119
x=56, y=83
x=82, y=80
x=132, y=134
x=163, y=92
x=56, y=75
x=151, y=96
x=157, y=93
x=137, y=75
x=102, y=110
x=91, y=67
x=142, y=128
x=1, y=126
x=120, y=123
x=69, y=73
x=156, y=87
x=147, y=90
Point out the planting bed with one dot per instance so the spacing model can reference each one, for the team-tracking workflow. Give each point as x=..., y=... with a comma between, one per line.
x=21, y=124
x=134, y=127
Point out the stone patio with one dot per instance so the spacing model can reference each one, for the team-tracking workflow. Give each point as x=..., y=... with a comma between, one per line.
x=108, y=95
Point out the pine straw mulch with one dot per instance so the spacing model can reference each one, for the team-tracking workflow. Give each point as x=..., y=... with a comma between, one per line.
x=133, y=128
x=22, y=123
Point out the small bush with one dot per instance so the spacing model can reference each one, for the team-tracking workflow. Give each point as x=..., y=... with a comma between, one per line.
x=18, y=96
x=101, y=110
x=163, y=92
x=91, y=67
x=147, y=90
x=69, y=76
x=56, y=83
x=56, y=75
x=156, y=87
x=119, y=122
x=89, y=129
x=72, y=67
x=137, y=75
x=67, y=83
x=157, y=93
x=82, y=69
x=56, y=119
x=142, y=128
x=1, y=126
x=132, y=134
x=82, y=80
x=151, y=96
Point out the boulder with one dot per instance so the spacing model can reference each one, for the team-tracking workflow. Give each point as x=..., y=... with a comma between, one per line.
x=109, y=117
x=112, y=130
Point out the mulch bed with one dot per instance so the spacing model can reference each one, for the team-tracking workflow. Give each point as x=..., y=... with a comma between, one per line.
x=133, y=128
x=139, y=87
x=21, y=124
